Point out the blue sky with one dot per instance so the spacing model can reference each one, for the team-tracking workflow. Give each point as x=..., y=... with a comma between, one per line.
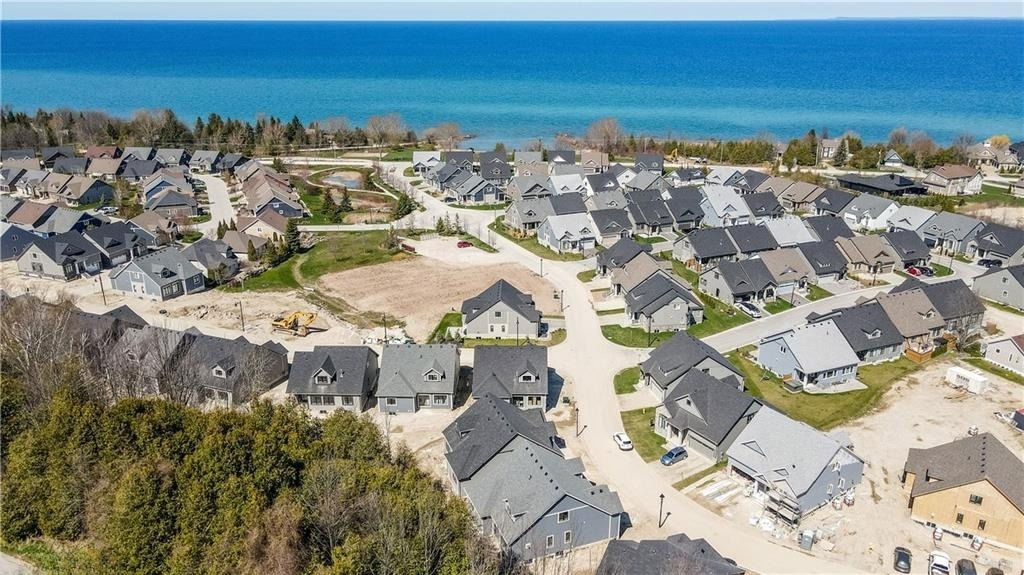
x=500, y=10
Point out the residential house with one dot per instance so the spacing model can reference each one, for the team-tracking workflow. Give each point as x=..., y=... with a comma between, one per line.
x=527, y=187
x=159, y=276
x=796, y=467
x=242, y=243
x=732, y=282
x=887, y=184
x=8, y=205
x=333, y=377
x=950, y=233
x=568, y=184
x=800, y=196
x=423, y=161
x=561, y=156
x=868, y=330
x=610, y=200
x=414, y=377
x=108, y=169
x=827, y=148
x=205, y=161
x=788, y=231
x=909, y=248
x=774, y=184
x=646, y=181
x=30, y=183
x=215, y=258
x=142, y=153
x=958, y=306
x=661, y=303
x=64, y=257
x=138, y=170
x=686, y=177
x=516, y=374
x=649, y=213
x=618, y=255
x=231, y=162
x=790, y=271
x=173, y=156
x=13, y=241
x=675, y=554
x=723, y=207
x=684, y=206
x=828, y=228
x=623, y=174
x=117, y=243
x=981, y=154
x=831, y=202
x=826, y=261
x=869, y=213
x=611, y=225
x=476, y=190
x=459, y=159
x=83, y=190
x=546, y=504
x=154, y=229
x=653, y=163
x=1002, y=285
x=52, y=154
x=31, y=214
x=909, y=218
x=538, y=169
x=815, y=356
x=594, y=162
x=633, y=273
x=71, y=166
x=172, y=203
x=763, y=206
x=1007, y=353
x=229, y=371
x=500, y=311
x=267, y=224
x=751, y=240
x=9, y=179
x=569, y=233
x=892, y=159
x=970, y=487
x=953, y=180
x=682, y=353
x=704, y=414
x=29, y=165
x=704, y=248
x=494, y=167
x=167, y=178
x=867, y=254
x=998, y=242
x=600, y=182
x=567, y=170
x=916, y=319
x=526, y=156
x=16, y=154
x=53, y=185
x=526, y=215
x=63, y=220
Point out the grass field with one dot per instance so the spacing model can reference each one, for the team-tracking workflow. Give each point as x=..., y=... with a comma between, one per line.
x=634, y=336
x=777, y=306
x=990, y=193
x=611, y=311
x=823, y=411
x=586, y=276
x=941, y=270
x=557, y=337
x=530, y=244
x=649, y=239
x=1004, y=307
x=684, y=272
x=694, y=478
x=814, y=293
x=718, y=317
x=992, y=368
x=453, y=319
x=637, y=423
x=403, y=155
x=627, y=379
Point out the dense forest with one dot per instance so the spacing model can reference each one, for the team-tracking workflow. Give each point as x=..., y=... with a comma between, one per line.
x=142, y=485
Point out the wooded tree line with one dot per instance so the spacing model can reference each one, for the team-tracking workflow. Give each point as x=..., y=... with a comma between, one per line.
x=915, y=148
x=144, y=485
x=163, y=128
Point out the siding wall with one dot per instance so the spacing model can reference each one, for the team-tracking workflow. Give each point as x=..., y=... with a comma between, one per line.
x=588, y=525
x=1002, y=288
x=481, y=326
x=1003, y=521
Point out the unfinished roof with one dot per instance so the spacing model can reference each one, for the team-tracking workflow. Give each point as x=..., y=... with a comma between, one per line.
x=966, y=461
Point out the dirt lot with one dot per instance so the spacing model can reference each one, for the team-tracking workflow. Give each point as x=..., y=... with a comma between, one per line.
x=919, y=411
x=1006, y=215
x=421, y=290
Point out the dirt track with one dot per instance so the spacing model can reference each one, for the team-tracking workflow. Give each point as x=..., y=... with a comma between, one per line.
x=421, y=290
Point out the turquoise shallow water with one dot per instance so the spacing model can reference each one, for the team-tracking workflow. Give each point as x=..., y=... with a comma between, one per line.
x=520, y=81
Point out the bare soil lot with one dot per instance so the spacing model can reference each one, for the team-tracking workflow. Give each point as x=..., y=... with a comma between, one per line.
x=421, y=290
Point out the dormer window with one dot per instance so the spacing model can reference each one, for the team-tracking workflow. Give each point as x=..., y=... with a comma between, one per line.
x=218, y=372
x=433, y=376
x=875, y=334
x=322, y=379
x=526, y=377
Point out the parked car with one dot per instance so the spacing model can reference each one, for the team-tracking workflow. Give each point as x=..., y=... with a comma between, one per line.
x=965, y=567
x=464, y=244
x=673, y=455
x=914, y=271
x=987, y=263
x=749, y=309
x=938, y=563
x=107, y=210
x=901, y=560
x=926, y=271
x=623, y=441
x=994, y=571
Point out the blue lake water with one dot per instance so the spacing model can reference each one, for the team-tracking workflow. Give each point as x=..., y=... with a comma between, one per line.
x=520, y=81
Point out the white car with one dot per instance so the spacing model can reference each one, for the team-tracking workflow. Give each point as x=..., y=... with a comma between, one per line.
x=107, y=210
x=623, y=441
x=938, y=563
x=749, y=309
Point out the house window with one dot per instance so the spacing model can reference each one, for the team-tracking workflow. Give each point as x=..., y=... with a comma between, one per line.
x=316, y=400
x=347, y=401
x=432, y=376
x=391, y=401
x=323, y=379
x=842, y=482
x=526, y=377
x=440, y=399
x=567, y=537
x=563, y=516
x=959, y=518
x=218, y=372
x=550, y=541
x=497, y=314
x=976, y=499
x=981, y=525
x=829, y=491
x=835, y=466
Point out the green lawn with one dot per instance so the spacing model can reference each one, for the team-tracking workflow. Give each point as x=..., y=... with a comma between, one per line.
x=941, y=270
x=694, y=478
x=530, y=244
x=611, y=311
x=450, y=319
x=637, y=423
x=404, y=155
x=47, y=557
x=627, y=379
x=1004, y=307
x=415, y=183
x=557, y=337
x=201, y=218
x=684, y=272
x=649, y=239
x=634, y=336
x=990, y=193
x=478, y=243
x=823, y=411
x=482, y=207
x=408, y=172
x=777, y=306
x=191, y=237
x=586, y=276
x=814, y=293
x=992, y=368
x=718, y=317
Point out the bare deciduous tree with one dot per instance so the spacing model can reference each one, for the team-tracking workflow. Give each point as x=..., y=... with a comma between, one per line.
x=327, y=502
x=962, y=141
x=387, y=129
x=605, y=134
x=898, y=137
x=448, y=134
x=921, y=145
x=146, y=124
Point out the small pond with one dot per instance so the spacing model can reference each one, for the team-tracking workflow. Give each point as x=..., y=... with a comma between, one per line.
x=351, y=180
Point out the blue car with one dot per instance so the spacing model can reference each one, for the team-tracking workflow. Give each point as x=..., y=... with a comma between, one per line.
x=673, y=455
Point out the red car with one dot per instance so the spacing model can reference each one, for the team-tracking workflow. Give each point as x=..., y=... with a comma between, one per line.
x=464, y=244
x=913, y=270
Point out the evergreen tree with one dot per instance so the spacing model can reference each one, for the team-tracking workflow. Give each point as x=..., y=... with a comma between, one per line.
x=232, y=225
x=346, y=202
x=291, y=237
x=330, y=209
x=839, y=158
x=251, y=251
x=222, y=228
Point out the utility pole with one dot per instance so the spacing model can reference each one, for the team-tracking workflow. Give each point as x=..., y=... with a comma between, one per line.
x=577, y=422
x=561, y=300
x=517, y=332
x=241, y=313
x=541, y=267
x=99, y=280
x=661, y=507
x=384, y=320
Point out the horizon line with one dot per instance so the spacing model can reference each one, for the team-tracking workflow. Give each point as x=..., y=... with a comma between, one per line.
x=525, y=20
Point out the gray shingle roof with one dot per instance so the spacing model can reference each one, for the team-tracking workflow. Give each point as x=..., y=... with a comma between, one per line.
x=656, y=292
x=824, y=257
x=949, y=225
x=500, y=291
x=952, y=299
x=711, y=243
x=674, y=358
x=69, y=246
x=678, y=555
x=684, y=204
x=571, y=203
x=505, y=370
x=706, y=406
x=114, y=237
x=907, y=245
x=611, y=221
x=833, y=200
x=621, y=252
x=211, y=254
x=865, y=327
x=404, y=369
x=746, y=277
x=763, y=204
x=345, y=364
x=1000, y=239
x=751, y=238
x=164, y=266
x=965, y=461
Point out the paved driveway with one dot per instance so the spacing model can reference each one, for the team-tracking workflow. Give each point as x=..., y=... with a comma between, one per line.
x=220, y=204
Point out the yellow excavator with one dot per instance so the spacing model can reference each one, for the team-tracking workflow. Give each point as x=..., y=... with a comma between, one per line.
x=295, y=323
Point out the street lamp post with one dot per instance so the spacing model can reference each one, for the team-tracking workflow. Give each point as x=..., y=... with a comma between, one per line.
x=241, y=313
x=103, y=293
x=661, y=507
x=577, y=422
